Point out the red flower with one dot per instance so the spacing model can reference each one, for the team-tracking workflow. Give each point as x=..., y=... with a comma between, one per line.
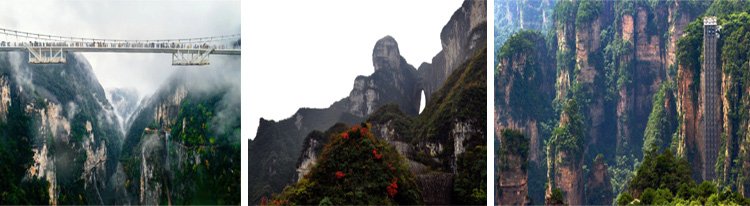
x=345, y=135
x=363, y=131
x=392, y=187
x=357, y=146
x=356, y=128
x=375, y=152
x=340, y=174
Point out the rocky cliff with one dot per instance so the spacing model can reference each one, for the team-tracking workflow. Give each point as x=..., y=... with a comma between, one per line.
x=513, y=163
x=393, y=81
x=598, y=184
x=612, y=57
x=182, y=146
x=524, y=77
x=565, y=153
x=74, y=130
x=463, y=35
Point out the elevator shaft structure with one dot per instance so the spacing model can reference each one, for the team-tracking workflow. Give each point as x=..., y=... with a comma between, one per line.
x=710, y=127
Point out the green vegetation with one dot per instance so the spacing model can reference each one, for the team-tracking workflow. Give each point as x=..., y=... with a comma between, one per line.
x=460, y=99
x=661, y=171
x=556, y=198
x=206, y=136
x=588, y=11
x=515, y=144
x=321, y=138
x=666, y=180
x=727, y=7
x=355, y=168
x=214, y=179
x=527, y=100
x=569, y=137
x=401, y=122
x=661, y=123
x=16, y=157
x=733, y=48
x=734, y=57
x=508, y=18
x=469, y=187
x=525, y=90
x=598, y=192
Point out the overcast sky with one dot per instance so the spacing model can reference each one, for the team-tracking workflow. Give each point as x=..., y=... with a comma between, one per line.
x=125, y=20
x=307, y=53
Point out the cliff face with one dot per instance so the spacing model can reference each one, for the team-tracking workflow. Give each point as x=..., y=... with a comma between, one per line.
x=611, y=56
x=5, y=100
x=512, y=172
x=463, y=35
x=184, y=140
x=521, y=76
x=74, y=129
x=598, y=185
x=732, y=165
x=568, y=177
x=452, y=120
x=565, y=155
x=587, y=44
x=394, y=81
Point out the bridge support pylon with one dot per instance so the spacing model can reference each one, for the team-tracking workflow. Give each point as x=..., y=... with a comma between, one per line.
x=191, y=57
x=41, y=55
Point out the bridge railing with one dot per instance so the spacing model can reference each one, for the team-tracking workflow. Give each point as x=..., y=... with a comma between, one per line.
x=48, y=49
x=34, y=39
x=143, y=45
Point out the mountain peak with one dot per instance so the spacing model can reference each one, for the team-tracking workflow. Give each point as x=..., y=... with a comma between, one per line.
x=386, y=54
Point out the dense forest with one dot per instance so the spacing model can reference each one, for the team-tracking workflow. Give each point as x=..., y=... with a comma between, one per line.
x=634, y=71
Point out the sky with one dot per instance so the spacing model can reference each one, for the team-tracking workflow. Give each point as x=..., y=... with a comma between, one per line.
x=304, y=57
x=125, y=20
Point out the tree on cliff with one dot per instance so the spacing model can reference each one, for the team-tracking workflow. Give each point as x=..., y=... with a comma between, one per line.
x=570, y=135
x=355, y=169
x=556, y=198
x=666, y=179
x=661, y=122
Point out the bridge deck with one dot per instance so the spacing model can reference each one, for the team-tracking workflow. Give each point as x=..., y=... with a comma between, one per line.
x=125, y=50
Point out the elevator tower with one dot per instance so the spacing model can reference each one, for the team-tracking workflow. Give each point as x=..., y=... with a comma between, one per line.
x=710, y=89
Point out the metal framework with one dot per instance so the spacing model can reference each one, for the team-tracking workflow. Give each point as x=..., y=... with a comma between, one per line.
x=710, y=85
x=191, y=58
x=39, y=55
x=51, y=49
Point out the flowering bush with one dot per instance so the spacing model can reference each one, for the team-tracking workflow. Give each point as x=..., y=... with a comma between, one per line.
x=392, y=187
x=340, y=174
x=365, y=171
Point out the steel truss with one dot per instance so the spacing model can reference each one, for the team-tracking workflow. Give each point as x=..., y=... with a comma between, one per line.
x=46, y=55
x=191, y=57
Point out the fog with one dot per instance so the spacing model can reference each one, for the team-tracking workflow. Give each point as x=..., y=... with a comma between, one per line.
x=125, y=20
